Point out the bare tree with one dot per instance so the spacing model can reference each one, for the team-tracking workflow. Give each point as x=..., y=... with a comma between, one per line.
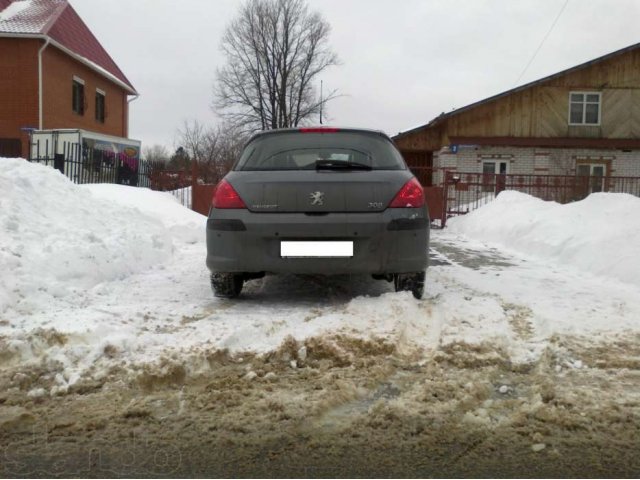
x=275, y=50
x=191, y=137
x=230, y=142
x=156, y=154
x=215, y=149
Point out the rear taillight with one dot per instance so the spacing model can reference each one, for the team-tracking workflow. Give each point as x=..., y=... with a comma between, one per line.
x=411, y=195
x=224, y=196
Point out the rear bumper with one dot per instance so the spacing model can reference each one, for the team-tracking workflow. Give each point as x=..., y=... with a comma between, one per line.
x=393, y=241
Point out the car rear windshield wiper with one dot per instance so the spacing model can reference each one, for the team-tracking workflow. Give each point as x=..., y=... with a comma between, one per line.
x=340, y=165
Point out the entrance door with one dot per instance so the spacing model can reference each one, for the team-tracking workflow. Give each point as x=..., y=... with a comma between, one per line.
x=595, y=173
x=494, y=173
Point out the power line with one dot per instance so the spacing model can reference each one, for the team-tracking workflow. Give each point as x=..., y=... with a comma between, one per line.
x=543, y=40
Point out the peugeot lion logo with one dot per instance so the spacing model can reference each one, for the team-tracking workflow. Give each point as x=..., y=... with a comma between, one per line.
x=317, y=198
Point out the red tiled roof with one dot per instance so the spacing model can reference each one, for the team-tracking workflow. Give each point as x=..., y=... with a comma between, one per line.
x=71, y=31
x=29, y=16
x=60, y=22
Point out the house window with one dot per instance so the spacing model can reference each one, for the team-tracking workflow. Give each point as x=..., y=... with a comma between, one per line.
x=77, y=96
x=493, y=175
x=100, y=95
x=594, y=174
x=584, y=108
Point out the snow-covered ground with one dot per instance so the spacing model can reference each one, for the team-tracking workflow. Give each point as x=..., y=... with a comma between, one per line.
x=597, y=235
x=103, y=277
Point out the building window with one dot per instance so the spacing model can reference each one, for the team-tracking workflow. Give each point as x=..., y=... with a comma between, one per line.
x=494, y=175
x=593, y=175
x=584, y=108
x=100, y=106
x=77, y=96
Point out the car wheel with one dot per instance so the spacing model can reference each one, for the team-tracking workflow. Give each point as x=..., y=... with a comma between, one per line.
x=226, y=285
x=410, y=282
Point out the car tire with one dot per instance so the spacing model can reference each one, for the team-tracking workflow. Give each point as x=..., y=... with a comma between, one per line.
x=410, y=282
x=226, y=285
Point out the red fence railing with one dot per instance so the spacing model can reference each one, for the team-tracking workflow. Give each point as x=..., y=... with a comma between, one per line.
x=464, y=192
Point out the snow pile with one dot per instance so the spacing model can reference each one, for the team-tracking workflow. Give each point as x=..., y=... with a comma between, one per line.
x=184, y=196
x=58, y=239
x=597, y=235
x=184, y=224
x=98, y=276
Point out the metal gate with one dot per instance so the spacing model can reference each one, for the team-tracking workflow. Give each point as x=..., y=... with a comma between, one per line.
x=192, y=186
x=201, y=198
x=434, y=197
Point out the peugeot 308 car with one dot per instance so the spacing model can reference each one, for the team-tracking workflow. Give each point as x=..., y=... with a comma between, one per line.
x=318, y=201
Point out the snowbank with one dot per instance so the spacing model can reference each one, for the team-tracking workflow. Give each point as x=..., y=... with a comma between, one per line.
x=184, y=196
x=57, y=238
x=598, y=234
x=98, y=276
x=184, y=224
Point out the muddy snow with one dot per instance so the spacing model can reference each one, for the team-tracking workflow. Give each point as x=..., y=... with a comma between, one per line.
x=121, y=362
x=337, y=406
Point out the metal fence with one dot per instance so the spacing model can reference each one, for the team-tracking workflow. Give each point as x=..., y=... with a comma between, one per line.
x=465, y=192
x=177, y=182
x=448, y=192
x=192, y=186
x=184, y=196
x=430, y=176
x=87, y=165
x=166, y=180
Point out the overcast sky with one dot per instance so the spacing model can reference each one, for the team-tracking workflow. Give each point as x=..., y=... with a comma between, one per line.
x=403, y=61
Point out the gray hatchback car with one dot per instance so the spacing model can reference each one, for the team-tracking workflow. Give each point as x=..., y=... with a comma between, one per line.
x=318, y=201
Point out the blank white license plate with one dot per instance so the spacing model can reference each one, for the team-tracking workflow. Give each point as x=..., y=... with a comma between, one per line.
x=320, y=249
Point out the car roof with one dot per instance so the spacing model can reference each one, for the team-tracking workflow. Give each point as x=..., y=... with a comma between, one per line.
x=318, y=129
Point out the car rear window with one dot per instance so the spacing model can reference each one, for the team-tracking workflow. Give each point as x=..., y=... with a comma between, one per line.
x=301, y=151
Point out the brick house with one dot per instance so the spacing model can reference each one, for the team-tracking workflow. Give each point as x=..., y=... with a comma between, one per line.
x=582, y=121
x=56, y=75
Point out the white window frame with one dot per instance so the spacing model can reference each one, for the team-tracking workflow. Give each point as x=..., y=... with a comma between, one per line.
x=83, y=107
x=584, y=110
x=104, y=106
x=593, y=179
x=496, y=167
